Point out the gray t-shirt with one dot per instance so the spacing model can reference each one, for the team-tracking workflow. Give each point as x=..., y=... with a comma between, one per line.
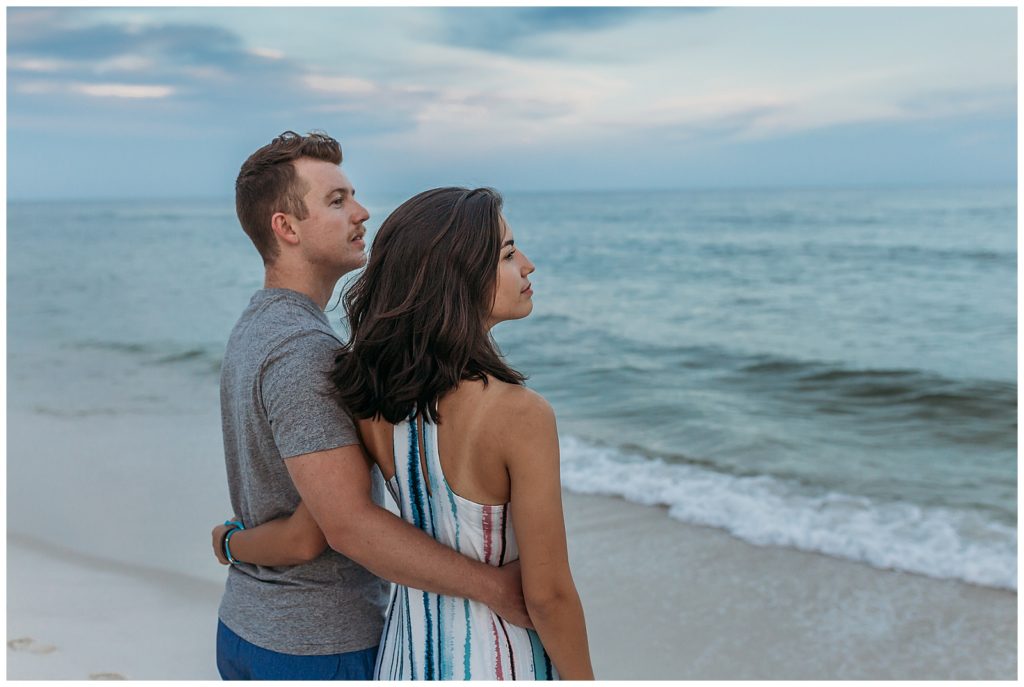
x=275, y=404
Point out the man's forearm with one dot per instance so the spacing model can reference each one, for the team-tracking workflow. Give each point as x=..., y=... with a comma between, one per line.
x=393, y=549
x=335, y=485
x=290, y=540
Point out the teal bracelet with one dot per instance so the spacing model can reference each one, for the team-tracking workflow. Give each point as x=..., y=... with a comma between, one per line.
x=235, y=526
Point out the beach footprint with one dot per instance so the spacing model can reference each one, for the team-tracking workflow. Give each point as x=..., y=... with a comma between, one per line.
x=30, y=645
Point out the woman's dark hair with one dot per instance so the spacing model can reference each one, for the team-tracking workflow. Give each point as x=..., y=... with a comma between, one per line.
x=417, y=314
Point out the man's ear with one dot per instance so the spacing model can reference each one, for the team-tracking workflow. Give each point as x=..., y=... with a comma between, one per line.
x=281, y=223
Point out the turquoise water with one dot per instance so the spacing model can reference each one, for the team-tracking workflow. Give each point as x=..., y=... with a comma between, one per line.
x=833, y=370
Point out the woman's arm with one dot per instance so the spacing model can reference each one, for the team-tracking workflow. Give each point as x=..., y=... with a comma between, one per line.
x=531, y=456
x=289, y=540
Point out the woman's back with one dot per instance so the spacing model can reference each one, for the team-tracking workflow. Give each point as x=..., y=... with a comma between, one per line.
x=430, y=636
x=470, y=436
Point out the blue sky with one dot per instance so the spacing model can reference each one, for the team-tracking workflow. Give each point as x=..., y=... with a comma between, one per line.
x=167, y=102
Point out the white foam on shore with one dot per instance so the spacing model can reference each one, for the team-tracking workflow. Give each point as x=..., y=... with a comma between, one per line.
x=936, y=542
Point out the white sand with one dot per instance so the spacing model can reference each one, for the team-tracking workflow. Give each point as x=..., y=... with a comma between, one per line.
x=663, y=600
x=74, y=617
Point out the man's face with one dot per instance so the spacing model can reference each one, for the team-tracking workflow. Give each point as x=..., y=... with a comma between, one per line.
x=332, y=235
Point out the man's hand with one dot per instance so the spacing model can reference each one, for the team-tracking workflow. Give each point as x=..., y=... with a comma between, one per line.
x=509, y=602
x=218, y=538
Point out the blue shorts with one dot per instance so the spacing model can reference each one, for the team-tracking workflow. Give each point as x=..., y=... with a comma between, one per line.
x=238, y=659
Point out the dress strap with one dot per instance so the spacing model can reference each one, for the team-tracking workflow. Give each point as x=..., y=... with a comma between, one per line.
x=438, y=484
x=416, y=501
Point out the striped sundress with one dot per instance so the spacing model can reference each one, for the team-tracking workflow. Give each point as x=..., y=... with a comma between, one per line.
x=432, y=637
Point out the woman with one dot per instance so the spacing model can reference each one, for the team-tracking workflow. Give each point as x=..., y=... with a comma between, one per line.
x=469, y=453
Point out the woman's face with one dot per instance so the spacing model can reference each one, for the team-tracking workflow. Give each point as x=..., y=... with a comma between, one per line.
x=513, y=297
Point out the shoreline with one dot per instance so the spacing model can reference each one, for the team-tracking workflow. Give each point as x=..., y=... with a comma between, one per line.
x=715, y=607
x=663, y=600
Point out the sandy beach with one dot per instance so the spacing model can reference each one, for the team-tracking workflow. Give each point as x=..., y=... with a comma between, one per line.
x=109, y=571
x=666, y=600
x=663, y=600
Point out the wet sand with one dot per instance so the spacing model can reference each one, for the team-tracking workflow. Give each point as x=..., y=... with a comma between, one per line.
x=665, y=600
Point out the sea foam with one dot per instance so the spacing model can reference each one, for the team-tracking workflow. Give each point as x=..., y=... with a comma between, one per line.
x=762, y=510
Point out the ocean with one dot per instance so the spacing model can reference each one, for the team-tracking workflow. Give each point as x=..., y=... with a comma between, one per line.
x=832, y=370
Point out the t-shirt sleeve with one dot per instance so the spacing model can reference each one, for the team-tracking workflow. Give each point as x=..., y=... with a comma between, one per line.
x=296, y=391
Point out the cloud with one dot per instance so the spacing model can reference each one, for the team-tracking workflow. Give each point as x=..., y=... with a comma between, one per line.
x=28, y=64
x=268, y=53
x=36, y=87
x=521, y=30
x=340, y=85
x=122, y=90
x=125, y=63
x=188, y=43
x=190, y=74
x=950, y=102
x=422, y=86
x=73, y=43
x=95, y=90
x=164, y=50
x=202, y=72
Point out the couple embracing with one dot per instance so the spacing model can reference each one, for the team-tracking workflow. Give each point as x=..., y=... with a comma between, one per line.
x=417, y=402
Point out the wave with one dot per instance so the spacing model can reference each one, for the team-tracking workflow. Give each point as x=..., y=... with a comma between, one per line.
x=901, y=393
x=116, y=346
x=579, y=363
x=973, y=409
x=873, y=253
x=183, y=356
x=206, y=358
x=183, y=211
x=932, y=541
x=76, y=413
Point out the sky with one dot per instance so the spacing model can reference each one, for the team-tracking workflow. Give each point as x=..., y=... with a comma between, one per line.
x=123, y=102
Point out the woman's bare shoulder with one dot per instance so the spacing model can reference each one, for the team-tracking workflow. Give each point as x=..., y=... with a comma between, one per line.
x=518, y=417
x=527, y=404
x=503, y=399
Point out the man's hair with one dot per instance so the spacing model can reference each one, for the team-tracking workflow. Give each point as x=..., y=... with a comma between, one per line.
x=418, y=311
x=268, y=183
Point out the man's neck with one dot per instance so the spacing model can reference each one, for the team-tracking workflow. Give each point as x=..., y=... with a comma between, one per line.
x=318, y=288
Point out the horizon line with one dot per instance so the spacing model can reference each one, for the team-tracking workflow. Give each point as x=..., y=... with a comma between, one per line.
x=619, y=189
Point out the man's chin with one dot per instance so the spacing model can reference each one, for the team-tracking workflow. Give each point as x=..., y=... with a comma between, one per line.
x=355, y=263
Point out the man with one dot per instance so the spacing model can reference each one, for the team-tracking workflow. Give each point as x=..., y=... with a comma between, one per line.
x=286, y=439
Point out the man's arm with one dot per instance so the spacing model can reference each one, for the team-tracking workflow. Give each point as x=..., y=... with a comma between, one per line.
x=291, y=540
x=335, y=486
